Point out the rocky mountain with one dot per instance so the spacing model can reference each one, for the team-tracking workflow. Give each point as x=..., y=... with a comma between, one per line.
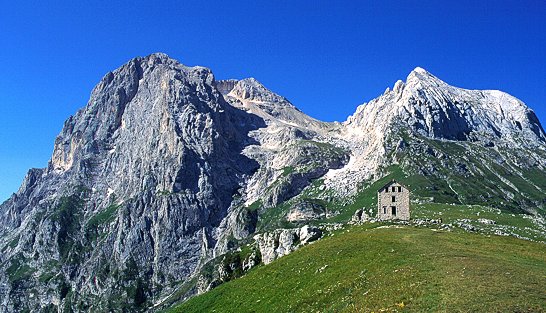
x=169, y=182
x=426, y=108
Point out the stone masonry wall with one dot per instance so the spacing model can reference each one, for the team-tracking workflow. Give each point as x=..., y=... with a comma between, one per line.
x=384, y=200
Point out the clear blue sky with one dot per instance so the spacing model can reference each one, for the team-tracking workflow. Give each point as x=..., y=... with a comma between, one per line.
x=325, y=56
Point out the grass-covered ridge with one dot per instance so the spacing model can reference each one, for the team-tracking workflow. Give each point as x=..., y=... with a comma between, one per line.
x=364, y=269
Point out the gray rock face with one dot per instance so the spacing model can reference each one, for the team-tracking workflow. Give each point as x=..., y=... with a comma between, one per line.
x=360, y=216
x=281, y=242
x=137, y=179
x=435, y=109
x=427, y=108
x=166, y=170
x=305, y=211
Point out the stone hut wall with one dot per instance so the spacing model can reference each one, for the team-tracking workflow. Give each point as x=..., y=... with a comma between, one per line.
x=385, y=202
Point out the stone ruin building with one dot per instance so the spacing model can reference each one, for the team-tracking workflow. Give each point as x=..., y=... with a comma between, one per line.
x=393, y=202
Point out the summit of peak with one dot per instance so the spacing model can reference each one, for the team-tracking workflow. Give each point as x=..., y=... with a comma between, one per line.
x=242, y=87
x=159, y=58
x=421, y=75
x=251, y=87
x=251, y=81
x=420, y=70
x=155, y=57
x=159, y=55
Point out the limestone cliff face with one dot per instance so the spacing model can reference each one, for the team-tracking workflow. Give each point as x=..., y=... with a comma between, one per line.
x=138, y=179
x=426, y=107
x=166, y=170
x=148, y=182
x=435, y=109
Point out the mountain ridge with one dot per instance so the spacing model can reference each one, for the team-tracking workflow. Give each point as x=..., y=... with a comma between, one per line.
x=166, y=171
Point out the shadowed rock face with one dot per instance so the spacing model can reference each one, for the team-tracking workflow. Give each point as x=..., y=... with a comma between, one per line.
x=165, y=169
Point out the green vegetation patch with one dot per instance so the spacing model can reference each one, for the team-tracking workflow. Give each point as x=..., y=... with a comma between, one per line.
x=103, y=217
x=12, y=244
x=287, y=170
x=68, y=215
x=391, y=270
x=273, y=218
x=93, y=227
x=19, y=269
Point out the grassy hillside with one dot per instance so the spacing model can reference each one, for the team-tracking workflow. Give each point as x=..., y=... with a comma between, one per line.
x=444, y=175
x=391, y=269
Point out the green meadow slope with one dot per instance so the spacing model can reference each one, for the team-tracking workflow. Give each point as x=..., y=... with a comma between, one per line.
x=374, y=268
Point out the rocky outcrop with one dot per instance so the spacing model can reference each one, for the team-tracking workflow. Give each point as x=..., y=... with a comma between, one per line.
x=294, y=148
x=227, y=267
x=281, y=242
x=360, y=216
x=305, y=211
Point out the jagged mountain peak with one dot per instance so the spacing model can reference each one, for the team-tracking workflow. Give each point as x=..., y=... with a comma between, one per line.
x=421, y=72
x=251, y=89
x=251, y=81
x=251, y=95
x=159, y=151
x=419, y=78
x=158, y=58
x=141, y=86
x=429, y=106
x=426, y=107
x=160, y=55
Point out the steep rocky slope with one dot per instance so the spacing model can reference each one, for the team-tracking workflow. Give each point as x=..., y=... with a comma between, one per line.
x=138, y=180
x=154, y=184
x=426, y=107
x=138, y=193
